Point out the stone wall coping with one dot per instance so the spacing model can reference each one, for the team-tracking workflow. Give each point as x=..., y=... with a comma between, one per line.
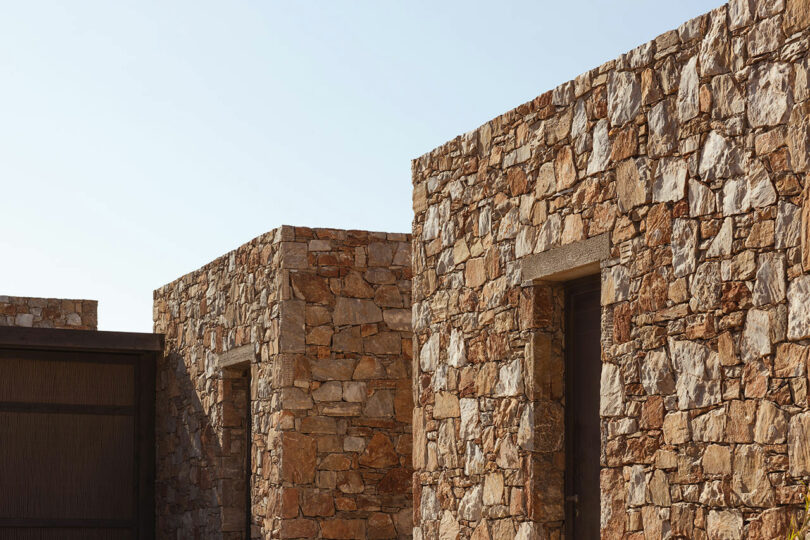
x=282, y=233
x=36, y=300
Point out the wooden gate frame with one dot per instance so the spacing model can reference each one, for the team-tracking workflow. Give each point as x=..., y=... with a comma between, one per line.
x=147, y=348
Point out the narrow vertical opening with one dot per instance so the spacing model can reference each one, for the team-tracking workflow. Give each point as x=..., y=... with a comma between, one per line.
x=583, y=361
x=248, y=452
x=236, y=441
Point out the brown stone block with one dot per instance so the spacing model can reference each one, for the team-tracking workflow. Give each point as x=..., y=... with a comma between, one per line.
x=598, y=102
x=516, y=179
x=388, y=296
x=797, y=16
x=319, y=335
x=292, y=328
x=653, y=293
x=298, y=528
x=345, y=504
x=355, y=311
x=289, y=503
x=336, y=462
x=405, y=445
x=350, y=482
x=446, y=406
x=403, y=402
x=659, y=225
x=682, y=520
x=343, y=529
x=381, y=526
x=805, y=230
x=369, y=329
x=318, y=424
x=348, y=340
x=341, y=409
x=791, y=360
x=297, y=458
x=332, y=369
x=755, y=377
x=564, y=168
x=652, y=413
x=622, y=321
x=330, y=443
x=549, y=427
x=741, y=420
x=547, y=376
x=383, y=343
x=700, y=326
x=379, y=276
x=612, y=484
x=379, y=453
x=355, y=286
x=317, y=503
x=368, y=368
x=293, y=255
x=295, y=398
x=380, y=254
x=625, y=144
x=311, y=288
x=735, y=296
x=397, y=480
x=475, y=273
x=771, y=524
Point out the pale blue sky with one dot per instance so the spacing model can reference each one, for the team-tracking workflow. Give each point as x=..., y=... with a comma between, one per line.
x=140, y=140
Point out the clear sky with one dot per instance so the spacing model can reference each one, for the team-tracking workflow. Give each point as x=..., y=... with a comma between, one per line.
x=141, y=139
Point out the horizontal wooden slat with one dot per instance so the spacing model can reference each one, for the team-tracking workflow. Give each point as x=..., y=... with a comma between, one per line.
x=46, y=380
x=36, y=533
x=17, y=523
x=66, y=408
x=70, y=356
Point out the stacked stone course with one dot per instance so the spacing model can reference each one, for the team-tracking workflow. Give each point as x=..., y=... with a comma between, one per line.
x=325, y=317
x=48, y=313
x=691, y=152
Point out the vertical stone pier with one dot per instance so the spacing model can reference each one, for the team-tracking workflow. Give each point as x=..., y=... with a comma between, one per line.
x=318, y=323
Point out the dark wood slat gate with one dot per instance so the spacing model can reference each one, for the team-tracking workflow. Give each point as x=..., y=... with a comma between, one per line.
x=77, y=434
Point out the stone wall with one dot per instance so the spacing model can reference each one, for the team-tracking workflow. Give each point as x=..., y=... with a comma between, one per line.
x=318, y=322
x=48, y=313
x=691, y=153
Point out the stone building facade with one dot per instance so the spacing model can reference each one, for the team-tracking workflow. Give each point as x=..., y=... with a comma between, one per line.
x=48, y=313
x=311, y=330
x=686, y=160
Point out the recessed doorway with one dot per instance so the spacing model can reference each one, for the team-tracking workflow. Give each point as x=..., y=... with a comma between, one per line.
x=583, y=361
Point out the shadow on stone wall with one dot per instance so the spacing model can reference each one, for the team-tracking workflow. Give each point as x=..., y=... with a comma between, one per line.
x=204, y=497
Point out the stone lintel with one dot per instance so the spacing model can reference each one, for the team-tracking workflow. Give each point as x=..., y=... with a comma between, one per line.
x=237, y=357
x=567, y=262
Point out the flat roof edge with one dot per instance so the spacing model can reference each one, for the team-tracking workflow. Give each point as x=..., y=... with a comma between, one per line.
x=88, y=340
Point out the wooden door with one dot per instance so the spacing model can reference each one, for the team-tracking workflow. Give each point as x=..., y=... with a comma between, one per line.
x=582, y=373
x=76, y=453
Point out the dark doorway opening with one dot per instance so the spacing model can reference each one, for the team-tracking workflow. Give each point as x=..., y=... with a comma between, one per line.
x=237, y=427
x=583, y=362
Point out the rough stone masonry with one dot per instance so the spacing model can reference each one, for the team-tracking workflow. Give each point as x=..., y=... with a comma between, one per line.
x=312, y=328
x=48, y=313
x=691, y=153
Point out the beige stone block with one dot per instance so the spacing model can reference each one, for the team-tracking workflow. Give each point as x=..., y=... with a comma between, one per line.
x=797, y=16
x=717, y=460
x=446, y=406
